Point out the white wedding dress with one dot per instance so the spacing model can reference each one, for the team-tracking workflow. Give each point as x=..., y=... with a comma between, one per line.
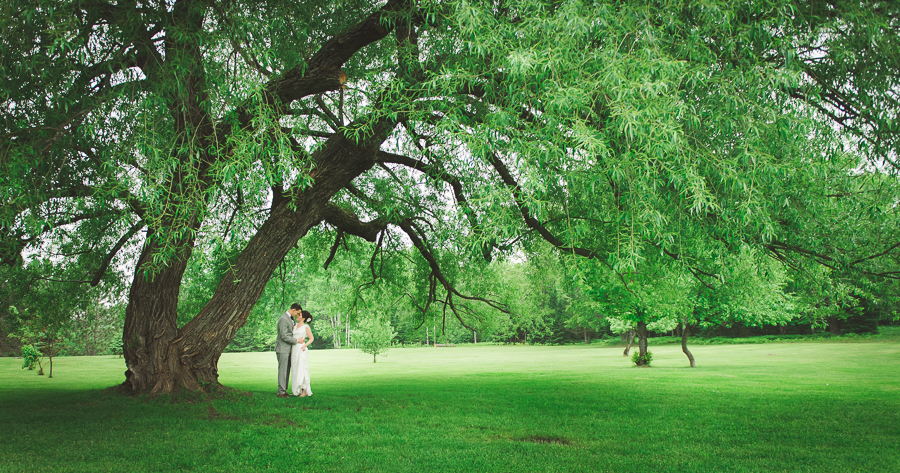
x=299, y=365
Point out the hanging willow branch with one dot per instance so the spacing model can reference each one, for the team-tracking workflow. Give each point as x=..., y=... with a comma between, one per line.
x=416, y=236
x=334, y=247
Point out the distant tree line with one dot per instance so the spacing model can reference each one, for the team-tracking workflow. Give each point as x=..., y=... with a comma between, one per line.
x=548, y=299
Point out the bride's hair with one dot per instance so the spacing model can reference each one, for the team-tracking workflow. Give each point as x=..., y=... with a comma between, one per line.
x=307, y=317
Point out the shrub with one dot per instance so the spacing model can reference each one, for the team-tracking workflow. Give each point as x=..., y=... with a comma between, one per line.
x=30, y=356
x=637, y=356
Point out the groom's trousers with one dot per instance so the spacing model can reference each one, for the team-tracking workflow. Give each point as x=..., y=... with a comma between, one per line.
x=284, y=371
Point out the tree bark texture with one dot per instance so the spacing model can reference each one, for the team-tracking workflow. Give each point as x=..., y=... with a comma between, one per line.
x=685, y=333
x=150, y=322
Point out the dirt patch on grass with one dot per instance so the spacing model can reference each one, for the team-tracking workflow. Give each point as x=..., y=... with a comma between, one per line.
x=545, y=440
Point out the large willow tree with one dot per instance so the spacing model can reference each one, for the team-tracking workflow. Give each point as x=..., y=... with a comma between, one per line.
x=136, y=133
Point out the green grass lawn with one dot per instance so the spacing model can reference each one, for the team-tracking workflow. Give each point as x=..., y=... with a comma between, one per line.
x=775, y=407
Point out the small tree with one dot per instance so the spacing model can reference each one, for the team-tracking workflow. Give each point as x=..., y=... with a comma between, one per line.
x=374, y=336
x=39, y=332
x=649, y=297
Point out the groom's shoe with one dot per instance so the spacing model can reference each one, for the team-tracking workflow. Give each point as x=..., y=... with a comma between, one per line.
x=282, y=395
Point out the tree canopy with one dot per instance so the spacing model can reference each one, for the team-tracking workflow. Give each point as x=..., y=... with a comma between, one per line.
x=138, y=132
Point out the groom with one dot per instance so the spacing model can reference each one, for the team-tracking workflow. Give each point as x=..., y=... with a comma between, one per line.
x=283, y=343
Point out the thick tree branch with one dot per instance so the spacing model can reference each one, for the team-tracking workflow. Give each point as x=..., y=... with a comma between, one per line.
x=322, y=72
x=349, y=223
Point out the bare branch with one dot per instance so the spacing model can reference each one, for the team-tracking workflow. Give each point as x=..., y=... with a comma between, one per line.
x=414, y=235
x=530, y=221
x=249, y=58
x=437, y=173
x=112, y=252
x=891, y=248
x=334, y=122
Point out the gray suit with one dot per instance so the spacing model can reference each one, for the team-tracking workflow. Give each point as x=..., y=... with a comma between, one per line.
x=283, y=344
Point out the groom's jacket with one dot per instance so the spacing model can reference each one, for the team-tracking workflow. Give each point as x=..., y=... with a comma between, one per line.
x=286, y=339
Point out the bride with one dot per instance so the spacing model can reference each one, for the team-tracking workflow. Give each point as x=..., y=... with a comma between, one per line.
x=299, y=366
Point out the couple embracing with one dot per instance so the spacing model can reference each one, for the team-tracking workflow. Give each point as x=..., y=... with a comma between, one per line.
x=294, y=336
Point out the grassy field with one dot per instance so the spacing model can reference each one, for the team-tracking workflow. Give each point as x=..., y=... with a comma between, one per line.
x=774, y=407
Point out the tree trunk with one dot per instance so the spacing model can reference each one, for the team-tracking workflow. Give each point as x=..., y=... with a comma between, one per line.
x=40, y=359
x=161, y=357
x=335, y=330
x=642, y=343
x=630, y=335
x=150, y=325
x=96, y=328
x=685, y=333
x=87, y=344
x=834, y=325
